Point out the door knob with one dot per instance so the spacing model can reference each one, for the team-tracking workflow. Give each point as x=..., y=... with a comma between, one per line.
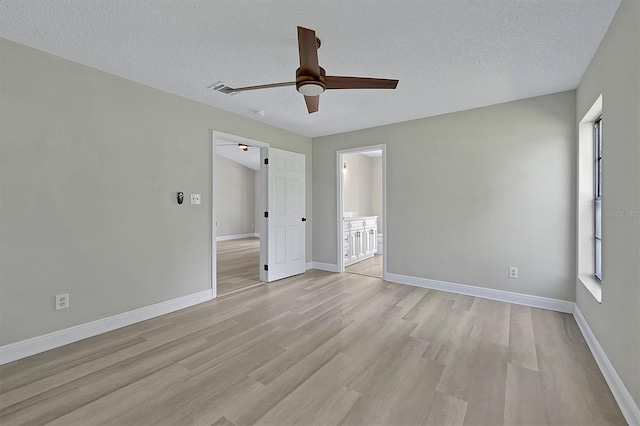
x=304, y=219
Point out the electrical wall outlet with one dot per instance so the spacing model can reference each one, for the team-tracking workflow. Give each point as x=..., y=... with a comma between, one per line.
x=62, y=301
x=513, y=272
x=195, y=199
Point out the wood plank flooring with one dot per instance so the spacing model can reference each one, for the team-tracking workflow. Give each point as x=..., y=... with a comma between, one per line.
x=371, y=267
x=238, y=265
x=321, y=349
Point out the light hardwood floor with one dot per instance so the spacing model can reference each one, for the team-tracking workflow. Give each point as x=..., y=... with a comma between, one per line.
x=321, y=349
x=371, y=267
x=238, y=265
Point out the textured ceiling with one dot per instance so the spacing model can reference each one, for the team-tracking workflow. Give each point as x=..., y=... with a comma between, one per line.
x=372, y=154
x=230, y=150
x=449, y=55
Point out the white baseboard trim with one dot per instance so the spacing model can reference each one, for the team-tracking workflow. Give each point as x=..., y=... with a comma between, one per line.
x=620, y=392
x=238, y=236
x=485, y=293
x=35, y=345
x=308, y=265
x=329, y=267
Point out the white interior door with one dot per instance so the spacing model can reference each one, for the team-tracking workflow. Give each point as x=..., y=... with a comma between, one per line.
x=286, y=214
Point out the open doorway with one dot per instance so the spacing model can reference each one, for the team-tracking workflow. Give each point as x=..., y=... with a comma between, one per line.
x=238, y=190
x=258, y=214
x=361, y=216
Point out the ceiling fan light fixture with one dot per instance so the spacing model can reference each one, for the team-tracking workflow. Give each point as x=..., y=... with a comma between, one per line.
x=310, y=88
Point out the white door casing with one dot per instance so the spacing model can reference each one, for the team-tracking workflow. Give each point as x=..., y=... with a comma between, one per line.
x=286, y=214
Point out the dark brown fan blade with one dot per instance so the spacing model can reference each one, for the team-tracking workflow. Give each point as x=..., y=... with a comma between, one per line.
x=312, y=103
x=308, y=50
x=262, y=86
x=336, y=82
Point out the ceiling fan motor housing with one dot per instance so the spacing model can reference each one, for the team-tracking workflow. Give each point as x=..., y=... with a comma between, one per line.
x=309, y=84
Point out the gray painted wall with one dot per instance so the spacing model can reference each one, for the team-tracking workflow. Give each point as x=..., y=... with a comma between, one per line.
x=90, y=164
x=362, y=186
x=470, y=194
x=357, y=184
x=614, y=72
x=235, y=197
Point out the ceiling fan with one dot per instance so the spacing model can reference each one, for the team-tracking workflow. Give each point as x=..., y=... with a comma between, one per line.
x=311, y=79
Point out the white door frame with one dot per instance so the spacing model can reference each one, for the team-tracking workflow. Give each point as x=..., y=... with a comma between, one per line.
x=340, y=202
x=217, y=135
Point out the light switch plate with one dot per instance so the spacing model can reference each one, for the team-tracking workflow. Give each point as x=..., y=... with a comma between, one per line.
x=195, y=199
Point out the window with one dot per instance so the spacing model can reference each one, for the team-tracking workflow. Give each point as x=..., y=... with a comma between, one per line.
x=589, y=188
x=597, y=196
